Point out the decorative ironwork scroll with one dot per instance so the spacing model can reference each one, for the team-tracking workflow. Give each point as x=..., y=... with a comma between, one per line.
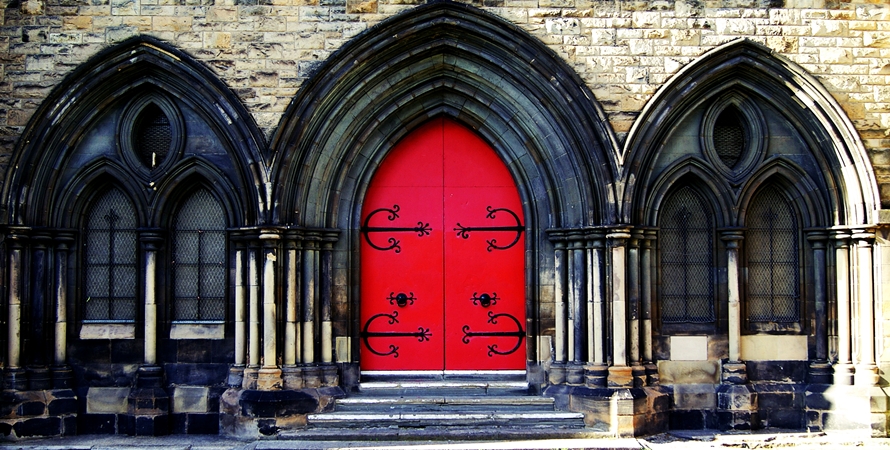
x=422, y=334
x=519, y=334
x=422, y=229
x=464, y=232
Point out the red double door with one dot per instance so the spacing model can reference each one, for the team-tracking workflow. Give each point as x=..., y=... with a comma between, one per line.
x=442, y=257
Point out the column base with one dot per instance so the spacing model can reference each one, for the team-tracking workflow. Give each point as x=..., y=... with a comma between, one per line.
x=148, y=405
x=249, y=377
x=621, y=376
x=39, y=379
x=737, y=407
x=735, y=372
x=62, y=377
x=312, y=377
x=596, y=375
x=292, y=376
x=819, y=373
x=843, y=374
x=329, y=376
x=236, y=375
x=652, y=376
x=623, y=412
x=639, y=374
x=15, y=379
x=575, y=373
x=269, y=378
x=866, y=375
x=557, y=373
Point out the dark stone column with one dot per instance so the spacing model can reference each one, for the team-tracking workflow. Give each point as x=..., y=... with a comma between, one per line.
x=820, y=369
x=557, y=374
x=15, y=376
x=61, y=372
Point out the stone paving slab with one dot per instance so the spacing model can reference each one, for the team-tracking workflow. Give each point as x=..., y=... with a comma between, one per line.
x=675, y=440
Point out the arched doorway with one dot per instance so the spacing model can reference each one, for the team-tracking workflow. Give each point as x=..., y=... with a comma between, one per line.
x=443, y=266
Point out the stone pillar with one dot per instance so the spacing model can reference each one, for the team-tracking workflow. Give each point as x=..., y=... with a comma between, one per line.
x=293, y=377
x=236, y=373
x=634, y=308
x=253, y=317
x=646, y=293
x=311, y=371
x=820, y=369
x=866, y=369
x=37, y=337
x=15, y=377
x=151, y=240
x=577, y=292
x=326, y=282
x=269, y=376
x=620, y=374
x=61, y=372
x=843, y=370
x=736, y=399
x=597, y=371
x=148, y=404
x=560, y=279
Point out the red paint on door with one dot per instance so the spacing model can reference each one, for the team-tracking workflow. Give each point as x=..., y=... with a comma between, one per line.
x=443, y=266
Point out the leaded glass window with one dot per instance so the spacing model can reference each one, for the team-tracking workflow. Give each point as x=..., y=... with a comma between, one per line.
x=729, y=136
x=153, y=136
x=771, y=246
x=199, y=255
x=686, y=240
x=110, y=249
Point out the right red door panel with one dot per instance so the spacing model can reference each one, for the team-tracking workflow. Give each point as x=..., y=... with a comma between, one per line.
x=443, y=266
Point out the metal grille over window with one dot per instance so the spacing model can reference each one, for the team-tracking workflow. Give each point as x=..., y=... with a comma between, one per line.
x=686, y=240
x=729, y=136
x=772, y=254
x=199, y=255
x=110, y=248
x=153, y=136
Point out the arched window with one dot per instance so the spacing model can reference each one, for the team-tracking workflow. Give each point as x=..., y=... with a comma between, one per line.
x=773, y=259
x=686, y=240
x=110, y=267
x=199, y=260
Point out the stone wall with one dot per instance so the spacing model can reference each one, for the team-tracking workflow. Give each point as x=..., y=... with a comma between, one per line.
x=624, y=50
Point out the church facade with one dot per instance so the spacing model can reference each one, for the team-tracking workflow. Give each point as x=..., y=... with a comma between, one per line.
x=225, y=217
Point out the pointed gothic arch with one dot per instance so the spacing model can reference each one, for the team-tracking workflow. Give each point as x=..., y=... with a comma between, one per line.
x=140, y=67
x=846, y=176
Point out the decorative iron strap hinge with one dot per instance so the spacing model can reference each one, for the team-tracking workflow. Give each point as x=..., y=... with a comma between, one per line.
x=464, y=232
x=422, y=229
x=422, y=334
x=519, y=334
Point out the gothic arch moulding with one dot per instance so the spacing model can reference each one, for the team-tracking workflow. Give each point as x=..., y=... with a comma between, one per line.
x=452, y=60
x=835, y=159
x=75, y=128
x=445, y=59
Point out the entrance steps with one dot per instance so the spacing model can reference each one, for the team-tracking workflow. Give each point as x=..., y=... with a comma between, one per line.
x=464, y=408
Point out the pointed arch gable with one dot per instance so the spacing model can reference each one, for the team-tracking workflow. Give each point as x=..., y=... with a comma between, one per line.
x=195, y=172
x=66, y=116
x=445, y=59
x=819, y=120
x=802, y=191
x=693, y=172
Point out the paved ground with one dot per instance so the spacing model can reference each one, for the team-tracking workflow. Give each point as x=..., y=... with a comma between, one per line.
x=676, y=440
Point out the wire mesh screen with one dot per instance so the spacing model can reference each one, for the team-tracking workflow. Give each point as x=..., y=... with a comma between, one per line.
x=199, y=255
x=686, y=240
x=153, y=136
x=772, y=253
x=110, y=248
x=729, y=136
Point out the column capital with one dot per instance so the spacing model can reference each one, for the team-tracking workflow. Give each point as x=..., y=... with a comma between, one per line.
x=617, y=235
x=18, y=236
x=862, y=236
x=269, y=235
x=732, y=236
x=151, y=238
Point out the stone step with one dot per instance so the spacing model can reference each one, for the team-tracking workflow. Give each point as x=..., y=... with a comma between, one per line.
x=447, y=434
x=482, y=420
x=471, y=403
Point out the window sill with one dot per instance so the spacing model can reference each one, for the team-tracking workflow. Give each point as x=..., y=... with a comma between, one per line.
x=197, y=331
x=108, y=331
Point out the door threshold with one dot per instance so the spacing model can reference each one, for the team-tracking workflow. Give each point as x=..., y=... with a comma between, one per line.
x=436, y=375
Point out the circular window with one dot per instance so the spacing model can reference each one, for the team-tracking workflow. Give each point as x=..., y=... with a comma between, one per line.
x=733, y=136
x=151, y=134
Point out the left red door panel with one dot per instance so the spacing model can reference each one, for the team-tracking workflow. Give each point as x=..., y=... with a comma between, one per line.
x=401, y=313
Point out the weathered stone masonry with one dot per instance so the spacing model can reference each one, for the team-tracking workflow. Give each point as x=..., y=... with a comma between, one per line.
x=605, y=112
